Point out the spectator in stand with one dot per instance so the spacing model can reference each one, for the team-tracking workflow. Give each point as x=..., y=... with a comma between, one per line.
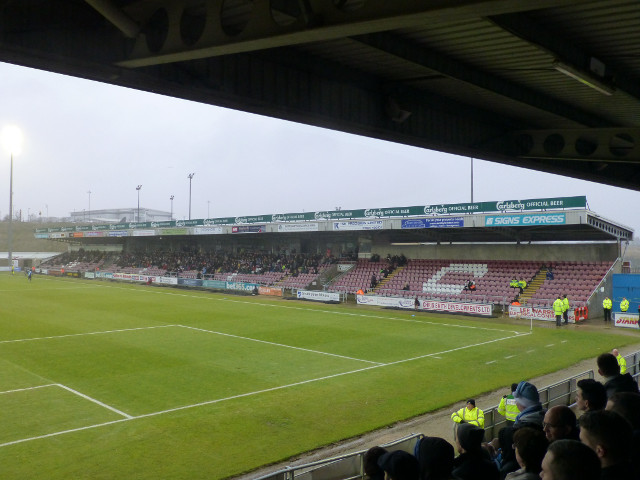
x=514, y=283
x=590, y=395
x=613, y=381
x=606, y=306
x=609, y=436
x=531, y=447
x=528, y=402
x=621, y=361
x=565, y=309
x=522, y=284
x=570, y=460
x=371, y=468
x=507, y=406
x=435, y=457
x=469, y=414
x=550, y=274
x=474, y=462
x=627, y=405
x=560, y=424
x=531, y=414
x=399, y=465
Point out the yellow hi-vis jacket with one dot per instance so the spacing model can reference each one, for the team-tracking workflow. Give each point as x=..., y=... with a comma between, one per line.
x=624, y=305
x=607, y=304
x=508, y=408
x=464, y=415
x=558, y=307
x=623, y=364
x=565, y=304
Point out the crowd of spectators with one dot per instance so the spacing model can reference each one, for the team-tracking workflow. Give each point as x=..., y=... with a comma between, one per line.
x=603, y=443
x=190, y=259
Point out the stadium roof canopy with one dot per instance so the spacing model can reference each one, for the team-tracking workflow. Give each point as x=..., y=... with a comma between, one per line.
x=551, y=85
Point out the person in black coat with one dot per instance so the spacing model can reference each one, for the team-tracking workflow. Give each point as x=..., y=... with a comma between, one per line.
x=614, y=382
x=474, y=462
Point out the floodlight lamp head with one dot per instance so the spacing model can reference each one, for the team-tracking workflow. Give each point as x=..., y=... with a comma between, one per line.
x=11, y=139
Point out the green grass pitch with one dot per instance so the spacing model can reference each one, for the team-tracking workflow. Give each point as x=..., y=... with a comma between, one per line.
x=101, y=380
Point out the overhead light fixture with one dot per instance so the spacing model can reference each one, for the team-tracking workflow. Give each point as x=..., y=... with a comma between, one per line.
x=583, y=77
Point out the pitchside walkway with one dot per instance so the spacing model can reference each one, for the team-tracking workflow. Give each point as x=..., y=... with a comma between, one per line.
x=439, y=423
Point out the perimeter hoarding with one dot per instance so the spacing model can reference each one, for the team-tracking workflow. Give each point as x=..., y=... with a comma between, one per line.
x=432, y=305
x=531, y=313
x=625, y=320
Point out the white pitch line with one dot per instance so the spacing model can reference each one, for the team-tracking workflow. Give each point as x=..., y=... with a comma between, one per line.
x=63, y=432
x=248, y=394
x=97, y=402
x=450, y=350
x=29, y=388
x=83, y=334
x=550, y=345
x=489, y=362
x=508, y=357
x=280, y=345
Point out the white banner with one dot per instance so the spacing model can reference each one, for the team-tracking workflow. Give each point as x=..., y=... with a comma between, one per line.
x=143, y=233
x=166, y=280
x=625, y=320
x=208, y=230
x=368, y=225
x=298, y=227
x=452, y=307
x=318, y=296
x=531, y=313
x=394, y=302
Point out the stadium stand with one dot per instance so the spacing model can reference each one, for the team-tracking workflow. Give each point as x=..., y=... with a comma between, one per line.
x=445, y=280
x=442, y=280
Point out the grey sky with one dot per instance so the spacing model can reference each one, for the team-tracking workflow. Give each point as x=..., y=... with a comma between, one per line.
x=82, y=136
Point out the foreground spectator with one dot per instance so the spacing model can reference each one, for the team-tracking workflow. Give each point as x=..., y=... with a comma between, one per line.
x=531, y=447
x=590, y=395
x=628, y=406
x=371, y=467
x=435, y=456
x=614, y=381
x=621, y=361
x=560, y=424
x=528, y=402
x=473, y=463
x=399, y=465
x=570, y=460
x=609, y=436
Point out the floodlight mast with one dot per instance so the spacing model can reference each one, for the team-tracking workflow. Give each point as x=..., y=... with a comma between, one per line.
x=190, y=177
x=138, y=188
x=11, y=138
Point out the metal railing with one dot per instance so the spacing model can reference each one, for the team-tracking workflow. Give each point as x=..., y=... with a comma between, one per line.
x=349, y=466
